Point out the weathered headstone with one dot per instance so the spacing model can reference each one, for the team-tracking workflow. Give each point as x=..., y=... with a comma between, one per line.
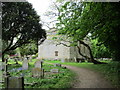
x=38, y=64
x=25, y=64
x=30, y=58
x=2, y=65
x=14, y=82
x=38, y=72
x=57, y=65
x=54, y=70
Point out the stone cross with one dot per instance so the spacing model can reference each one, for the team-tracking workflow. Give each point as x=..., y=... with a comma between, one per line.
x=25, y=64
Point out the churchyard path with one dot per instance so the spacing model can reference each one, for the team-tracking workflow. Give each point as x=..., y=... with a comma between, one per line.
x=86, y=78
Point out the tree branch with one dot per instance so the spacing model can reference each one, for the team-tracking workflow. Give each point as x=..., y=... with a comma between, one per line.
x=8, y=46
x=91, y=56
x=63, y=44
x=79, y=50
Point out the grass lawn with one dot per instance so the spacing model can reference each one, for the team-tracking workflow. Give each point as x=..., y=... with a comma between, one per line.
x=110, y=70
x=51, y=80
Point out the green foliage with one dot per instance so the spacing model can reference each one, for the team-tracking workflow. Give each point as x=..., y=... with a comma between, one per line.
x=102, y=20
x=58, y=80
x=36, y=55
x=29, y=49
x=13, y=52
x=99, y=51
x=110, y=70
x=20, y=25
x=69, y=20
x=54, y=38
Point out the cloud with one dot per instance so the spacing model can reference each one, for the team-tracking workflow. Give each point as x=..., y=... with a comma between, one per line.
x=40, y=5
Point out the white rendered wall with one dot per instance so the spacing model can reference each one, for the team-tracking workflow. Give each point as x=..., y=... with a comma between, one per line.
x=48, y=51
x=48, y=48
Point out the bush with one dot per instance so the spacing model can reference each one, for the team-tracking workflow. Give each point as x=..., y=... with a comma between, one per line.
x=35, y=56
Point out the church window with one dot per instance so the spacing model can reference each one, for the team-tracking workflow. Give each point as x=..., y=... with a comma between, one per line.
x=56, y=53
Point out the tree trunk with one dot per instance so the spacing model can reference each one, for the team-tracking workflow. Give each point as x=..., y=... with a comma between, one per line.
x=91, y=55
x=3, y=59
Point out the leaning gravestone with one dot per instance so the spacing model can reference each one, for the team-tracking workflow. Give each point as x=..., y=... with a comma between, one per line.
x=14, y=82
x=38, y=64
x=38, y=72
x=25, y=64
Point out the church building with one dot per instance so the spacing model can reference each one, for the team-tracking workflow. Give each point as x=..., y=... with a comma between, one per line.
x=50, y=51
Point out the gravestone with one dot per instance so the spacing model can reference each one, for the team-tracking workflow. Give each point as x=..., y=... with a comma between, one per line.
x=30, y=58
x=14, y=82
x=38, y=72
x=54, y=70
x=38, y=64
x=1, y=66
x=57, y=65
x=25, y=64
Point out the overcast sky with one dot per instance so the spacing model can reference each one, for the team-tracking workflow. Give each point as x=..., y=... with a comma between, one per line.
x=41, y=6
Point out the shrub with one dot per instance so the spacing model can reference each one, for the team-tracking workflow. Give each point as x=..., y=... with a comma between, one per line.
x=33, y=57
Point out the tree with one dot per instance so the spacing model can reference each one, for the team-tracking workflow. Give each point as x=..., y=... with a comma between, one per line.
x=99, y=51
x=104, y=21
x=68, y=25
x=78, y=19
x=28, y=49
x=20, y=26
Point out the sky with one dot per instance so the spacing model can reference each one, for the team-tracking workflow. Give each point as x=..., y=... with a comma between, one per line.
x=41, y=6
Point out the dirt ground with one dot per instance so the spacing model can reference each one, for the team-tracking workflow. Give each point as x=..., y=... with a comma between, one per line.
x=86, y=78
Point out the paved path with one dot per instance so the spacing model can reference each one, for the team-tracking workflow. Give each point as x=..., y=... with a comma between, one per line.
x=88, y=79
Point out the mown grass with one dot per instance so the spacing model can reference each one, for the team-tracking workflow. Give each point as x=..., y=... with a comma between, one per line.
x=110, y=71
x=58, y=80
